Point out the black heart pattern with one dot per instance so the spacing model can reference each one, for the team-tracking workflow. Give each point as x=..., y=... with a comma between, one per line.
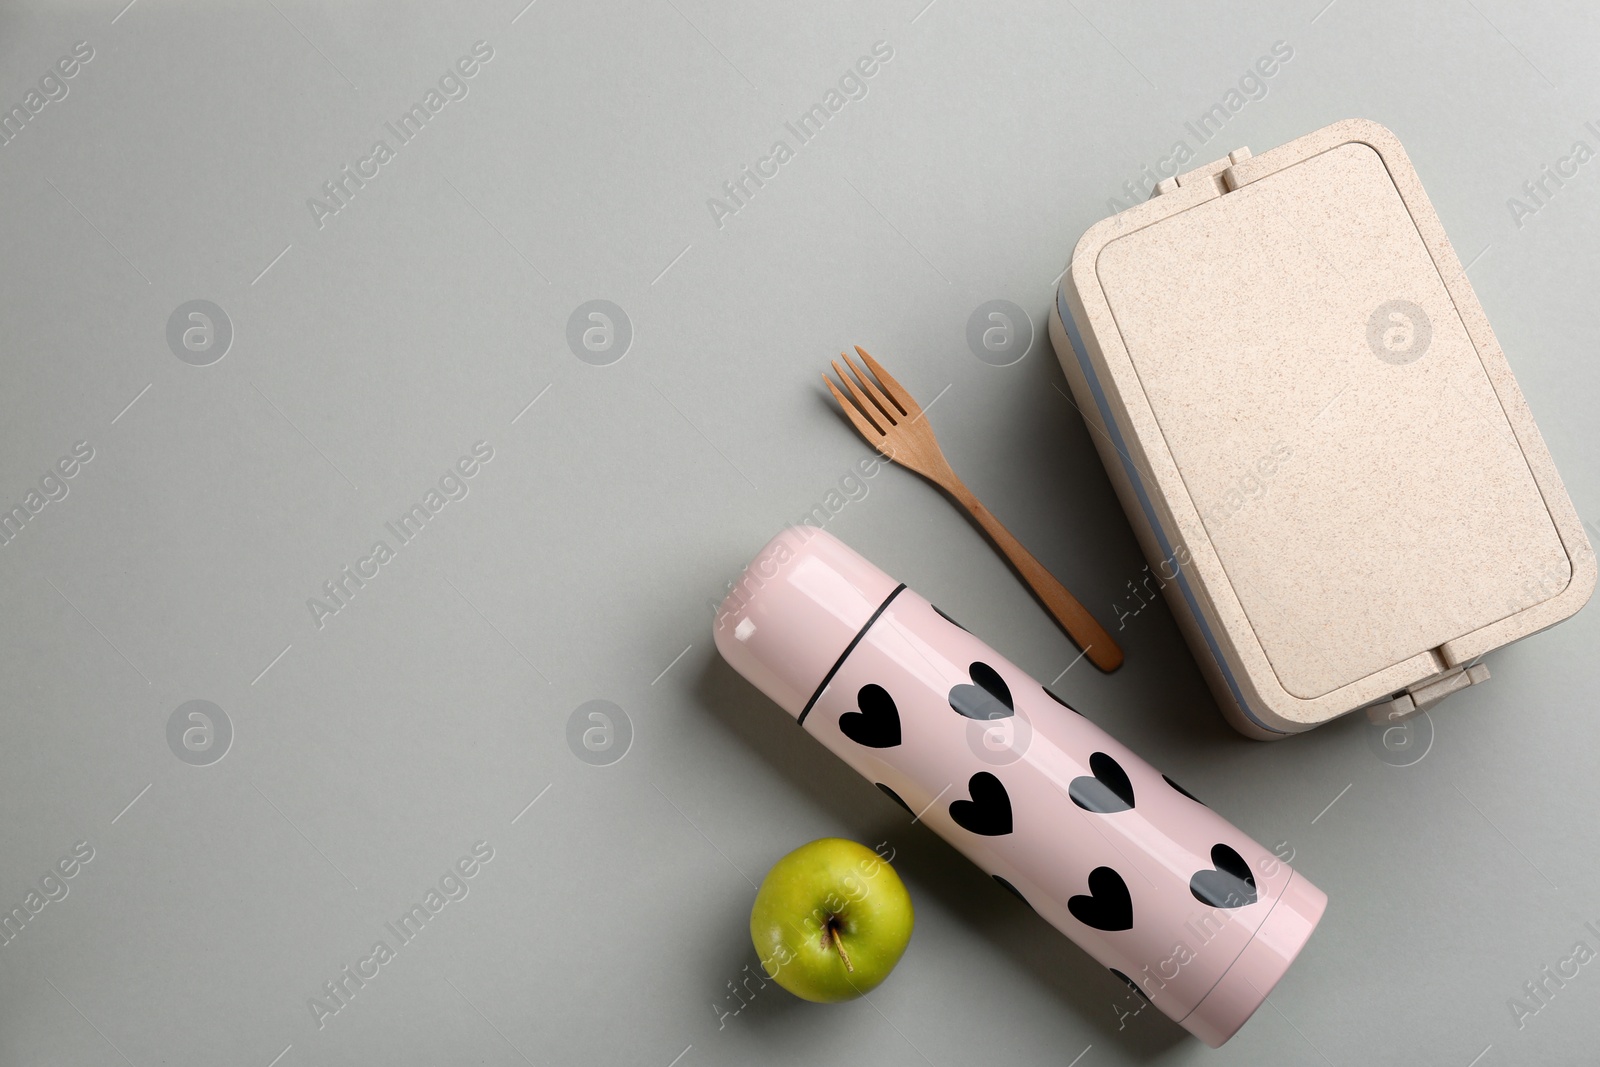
x=877, y=724
x=892, y=795
x=1107, y=906
x=990, y=698
x=1182, y=790
x=1229, y=885
x=1108, y=792
x=947, y=618
x=988, y=813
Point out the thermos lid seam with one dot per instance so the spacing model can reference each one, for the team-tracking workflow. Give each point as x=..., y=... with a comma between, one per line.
x=851, y=647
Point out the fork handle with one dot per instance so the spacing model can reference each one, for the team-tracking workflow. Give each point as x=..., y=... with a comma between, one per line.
x=1084, y=629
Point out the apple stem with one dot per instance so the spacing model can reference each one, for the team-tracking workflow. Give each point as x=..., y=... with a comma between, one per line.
x=830, y=932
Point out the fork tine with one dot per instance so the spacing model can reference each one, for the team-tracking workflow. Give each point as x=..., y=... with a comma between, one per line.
x=864, y=426
x=898, y=393
x=889, y=408
x=869, y=405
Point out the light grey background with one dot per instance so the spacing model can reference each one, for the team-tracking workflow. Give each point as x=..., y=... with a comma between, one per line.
x=371, y=353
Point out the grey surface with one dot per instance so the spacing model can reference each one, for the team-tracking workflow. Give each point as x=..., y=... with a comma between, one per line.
x=369, y=354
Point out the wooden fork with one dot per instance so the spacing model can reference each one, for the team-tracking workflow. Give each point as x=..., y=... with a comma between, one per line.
x=892, y=422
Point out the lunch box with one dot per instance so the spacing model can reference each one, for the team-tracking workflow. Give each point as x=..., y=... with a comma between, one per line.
x=1338, y=485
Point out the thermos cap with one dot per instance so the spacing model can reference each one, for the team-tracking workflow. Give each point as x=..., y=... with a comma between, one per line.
x=796, y=610
x=1265, y=959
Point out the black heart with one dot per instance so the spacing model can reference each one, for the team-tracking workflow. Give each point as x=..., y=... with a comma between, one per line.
x=988, y=812
x=1009, y=888
x=1109, y=791
x=1063, y=703
x=989, y=699
x=892, y=795
x=948, y=619
x=1182, y=790
x=877, y=724
x=1107, y=905
x=1230, y=885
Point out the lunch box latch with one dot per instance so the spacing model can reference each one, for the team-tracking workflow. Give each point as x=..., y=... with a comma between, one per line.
x=1218, y=174
x=1425, y=694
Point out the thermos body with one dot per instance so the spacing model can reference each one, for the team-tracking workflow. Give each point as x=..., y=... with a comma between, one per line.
x=1188, y=910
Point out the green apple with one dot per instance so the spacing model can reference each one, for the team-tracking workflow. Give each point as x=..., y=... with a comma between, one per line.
x=831, y=920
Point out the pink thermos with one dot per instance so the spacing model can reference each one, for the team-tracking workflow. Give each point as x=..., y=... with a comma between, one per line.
x=1189, y=911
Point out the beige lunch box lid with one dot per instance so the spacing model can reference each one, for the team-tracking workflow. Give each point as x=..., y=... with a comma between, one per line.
x=1310, y=422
